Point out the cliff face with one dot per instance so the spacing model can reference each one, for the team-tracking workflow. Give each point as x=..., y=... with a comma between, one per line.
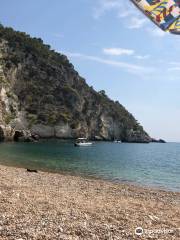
x=41, y=92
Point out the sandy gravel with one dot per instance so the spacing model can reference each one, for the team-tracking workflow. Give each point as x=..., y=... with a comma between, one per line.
x=56, y=206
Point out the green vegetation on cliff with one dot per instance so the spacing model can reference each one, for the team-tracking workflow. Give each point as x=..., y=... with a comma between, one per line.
x=43, y=87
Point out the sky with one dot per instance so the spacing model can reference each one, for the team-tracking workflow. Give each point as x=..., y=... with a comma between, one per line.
x=115, y=48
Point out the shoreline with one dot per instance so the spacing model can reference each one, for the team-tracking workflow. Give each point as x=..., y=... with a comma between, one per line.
x=98, y=178
x=47, y=205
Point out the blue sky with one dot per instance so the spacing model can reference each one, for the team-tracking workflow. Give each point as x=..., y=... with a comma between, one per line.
x=116, y=48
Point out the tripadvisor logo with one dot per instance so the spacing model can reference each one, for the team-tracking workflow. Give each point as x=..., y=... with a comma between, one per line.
x=139, y=231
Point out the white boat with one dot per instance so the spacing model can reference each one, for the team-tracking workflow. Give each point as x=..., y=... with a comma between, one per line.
x=82, y=142
x=118, y=141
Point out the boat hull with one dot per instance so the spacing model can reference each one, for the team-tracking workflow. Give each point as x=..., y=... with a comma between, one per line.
x=82, y=144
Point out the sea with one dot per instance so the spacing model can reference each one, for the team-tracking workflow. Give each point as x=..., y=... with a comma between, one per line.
x=154, y=165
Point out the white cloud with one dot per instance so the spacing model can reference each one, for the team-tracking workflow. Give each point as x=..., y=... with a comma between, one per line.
x=137, y=22
x=118, y=51
x=174, y=69
x=131, y=68
x=174, y=66
x=175, y=63
x=106, y=5
x=123, y=9
x=139, y=57
x=157, y=32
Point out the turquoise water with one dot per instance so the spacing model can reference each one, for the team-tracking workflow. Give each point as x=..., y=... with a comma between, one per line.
x=154, y=164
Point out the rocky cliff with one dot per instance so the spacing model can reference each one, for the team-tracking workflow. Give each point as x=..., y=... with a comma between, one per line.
x=41, y=93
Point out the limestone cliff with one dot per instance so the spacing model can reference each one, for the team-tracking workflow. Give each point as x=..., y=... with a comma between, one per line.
x=41, y=92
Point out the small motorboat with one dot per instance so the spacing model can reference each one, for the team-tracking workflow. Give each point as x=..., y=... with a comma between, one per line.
x=117, y=141
x=82, y=142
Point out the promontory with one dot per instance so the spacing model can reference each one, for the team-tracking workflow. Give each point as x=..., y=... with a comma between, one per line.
x=42, y=94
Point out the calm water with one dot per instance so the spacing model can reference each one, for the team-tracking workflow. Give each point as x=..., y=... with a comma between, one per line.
x=153, y=164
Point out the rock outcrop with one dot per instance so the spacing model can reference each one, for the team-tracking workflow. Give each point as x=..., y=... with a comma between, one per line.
x=158, y=141
x=42, y=94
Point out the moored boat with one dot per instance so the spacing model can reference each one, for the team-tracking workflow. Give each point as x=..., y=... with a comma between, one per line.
x=117, y=141
x=80, y=142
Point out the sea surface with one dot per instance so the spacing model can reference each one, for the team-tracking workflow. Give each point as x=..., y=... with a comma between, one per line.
x=154, y=165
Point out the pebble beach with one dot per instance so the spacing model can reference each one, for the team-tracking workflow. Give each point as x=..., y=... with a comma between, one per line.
x=40, y=206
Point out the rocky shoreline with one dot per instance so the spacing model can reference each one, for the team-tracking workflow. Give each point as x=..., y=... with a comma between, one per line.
x=7, y=133
x=58, y=206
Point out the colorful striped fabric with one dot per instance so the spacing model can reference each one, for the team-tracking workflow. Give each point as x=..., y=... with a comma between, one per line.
x=164, y=13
